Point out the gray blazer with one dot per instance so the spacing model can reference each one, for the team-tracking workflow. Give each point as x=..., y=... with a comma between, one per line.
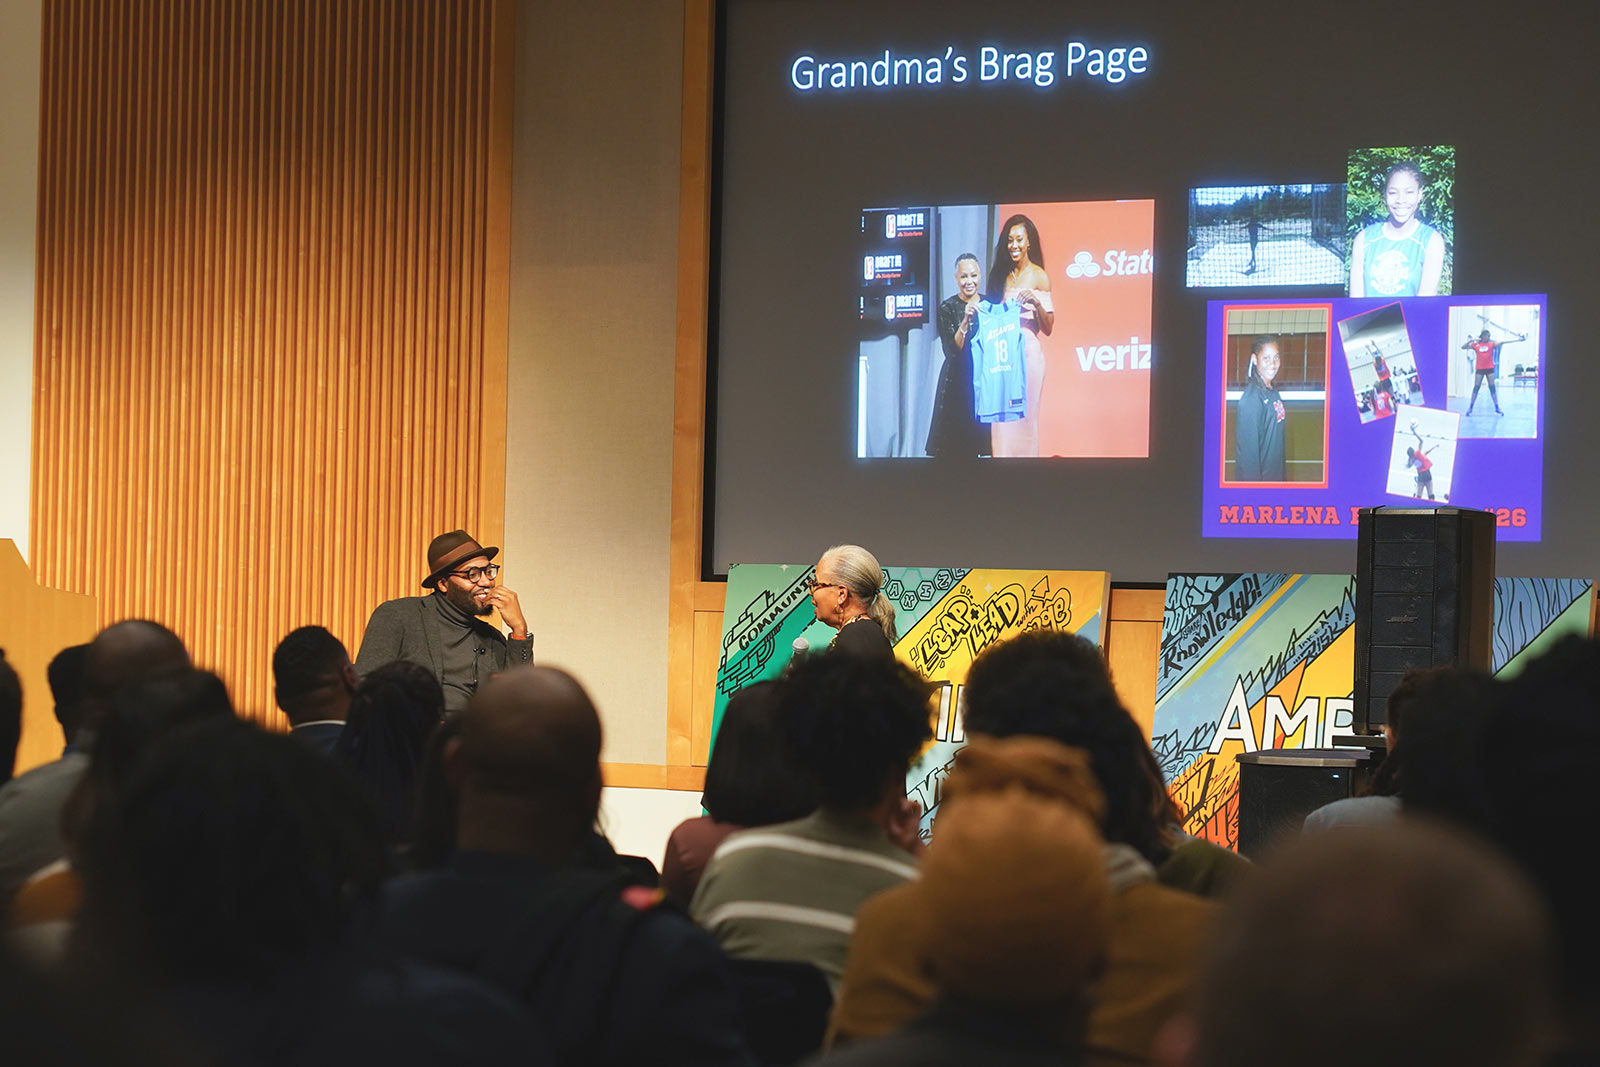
x=409, y=628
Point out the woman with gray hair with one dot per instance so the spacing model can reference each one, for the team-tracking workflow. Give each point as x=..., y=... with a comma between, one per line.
x=846, y=590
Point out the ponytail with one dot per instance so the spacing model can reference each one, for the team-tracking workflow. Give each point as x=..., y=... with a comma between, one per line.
x=882, y=613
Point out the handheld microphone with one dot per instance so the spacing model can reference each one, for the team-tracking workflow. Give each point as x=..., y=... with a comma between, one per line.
x=801, y=645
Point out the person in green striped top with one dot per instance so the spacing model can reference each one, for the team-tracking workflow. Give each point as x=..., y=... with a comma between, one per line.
x=791, y=891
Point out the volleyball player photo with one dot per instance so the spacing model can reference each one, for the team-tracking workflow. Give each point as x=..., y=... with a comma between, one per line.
x=1495, y=361
x=1275, y=373
x=1422, y=459
x=1383, y=368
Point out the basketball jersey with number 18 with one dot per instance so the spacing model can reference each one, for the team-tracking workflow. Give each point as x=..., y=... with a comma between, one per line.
x=999, y=369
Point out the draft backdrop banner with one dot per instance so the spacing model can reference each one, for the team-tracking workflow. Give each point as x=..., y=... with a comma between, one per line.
x=1259, y=661
x=945, y=616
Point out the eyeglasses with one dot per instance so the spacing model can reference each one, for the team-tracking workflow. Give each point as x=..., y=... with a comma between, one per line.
x=473, y=575
x=813, y=585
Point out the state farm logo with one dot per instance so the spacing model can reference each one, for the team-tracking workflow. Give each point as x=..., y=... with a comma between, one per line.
x=1083, y=266
x=1116, y=261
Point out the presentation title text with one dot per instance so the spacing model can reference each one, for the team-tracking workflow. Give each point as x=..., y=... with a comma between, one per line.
x=992, y=65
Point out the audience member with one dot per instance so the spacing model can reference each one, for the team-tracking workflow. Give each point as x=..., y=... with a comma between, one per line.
x=751, y=781
x=313, y=682
x=613, y=976
x=1054, y=684
x=227, y=883
x=1154, y=933
x=10, y=718
x=791, y=891
x=42, y=1024
x=1398, y=946
x=1436, y=720
x=1535, y=776
x=1012, y=909
x=394, y=710
x=30, y=805
x=68, y=687
x=435, y=836
x=139, y=716
x=1379, y=803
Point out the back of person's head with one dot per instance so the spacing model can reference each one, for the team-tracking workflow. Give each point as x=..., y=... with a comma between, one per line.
x=10, y=717
x=1398, y=704
x=393, y=711
x=1537, y=778
x=753, y=779
x=1036, y=765
x=1013, y=900
x=527, y=763
x=311, y=675
x=68, y=684
x=854, y=725
x=145, y=711
x=435, y=836
x=1406, y=946
x=139, y=717
x=1049, y=683
x=1435, y=766
x=122, y=654
x=234, y=855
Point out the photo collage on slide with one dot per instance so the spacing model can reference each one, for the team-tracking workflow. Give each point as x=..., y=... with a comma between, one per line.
x=1400, y=388
x=1024, y=330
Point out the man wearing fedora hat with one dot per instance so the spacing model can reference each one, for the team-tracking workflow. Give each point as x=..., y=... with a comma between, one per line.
x=447, y=631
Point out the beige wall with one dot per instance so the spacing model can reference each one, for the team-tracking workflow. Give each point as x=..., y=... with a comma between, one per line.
x=589, y=422
x=20, y=33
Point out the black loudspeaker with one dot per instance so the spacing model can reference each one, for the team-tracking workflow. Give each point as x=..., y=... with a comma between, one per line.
x=1424, y=598
x=1278, y=788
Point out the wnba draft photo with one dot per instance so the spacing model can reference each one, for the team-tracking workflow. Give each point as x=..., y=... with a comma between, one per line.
x=1006, y=331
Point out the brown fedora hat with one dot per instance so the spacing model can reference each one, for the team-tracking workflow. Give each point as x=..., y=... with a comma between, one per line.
x=449, y=549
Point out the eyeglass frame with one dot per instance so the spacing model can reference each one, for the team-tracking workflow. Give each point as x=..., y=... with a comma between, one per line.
x=812, y=585
x=491, y=569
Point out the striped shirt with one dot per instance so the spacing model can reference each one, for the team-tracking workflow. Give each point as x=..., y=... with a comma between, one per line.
x=791, y=891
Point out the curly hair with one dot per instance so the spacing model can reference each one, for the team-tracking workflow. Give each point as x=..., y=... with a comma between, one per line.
x=231, y=855
x=394, y=710
x=853, y=723
x=1054, y=684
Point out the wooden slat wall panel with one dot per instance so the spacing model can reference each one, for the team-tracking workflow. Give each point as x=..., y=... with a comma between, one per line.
x=270, y=339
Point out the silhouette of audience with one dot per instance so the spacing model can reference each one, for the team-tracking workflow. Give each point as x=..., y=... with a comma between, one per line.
x=1013, y=905
x=612, y=975
x=10, y=718
x=67, y=688
x=231, y=882
x=751, y=780
x=226, y=894
x=30, y=805
x=1528, y=792
x=1397, y=946
x=394, y=710
x=791, y=891
x=313, y=682
x=1154, y=934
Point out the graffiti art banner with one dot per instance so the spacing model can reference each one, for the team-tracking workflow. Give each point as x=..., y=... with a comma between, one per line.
x=945, y=617
x=1258, y=661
